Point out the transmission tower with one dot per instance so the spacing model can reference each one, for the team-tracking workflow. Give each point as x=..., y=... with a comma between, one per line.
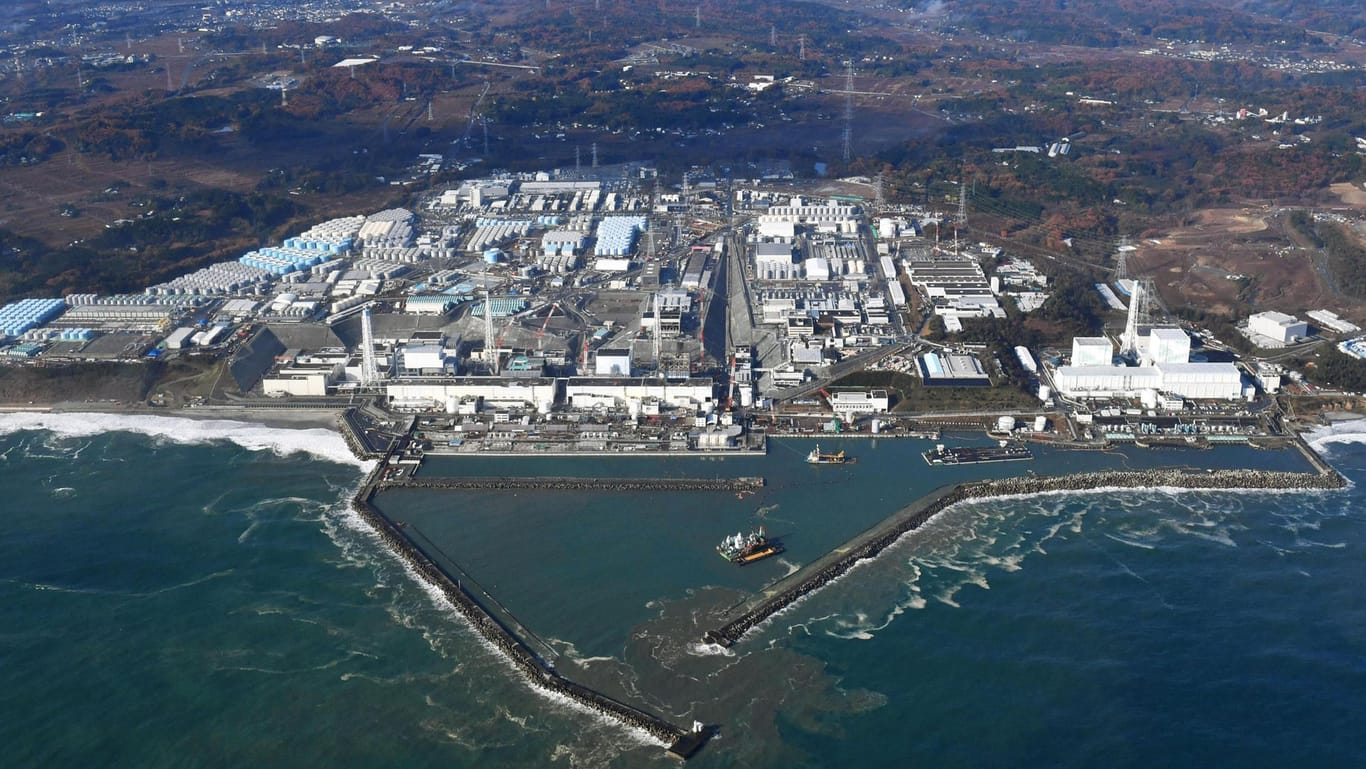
x=880, y=200
x=801, y=48
x=1122, y=259
x=962, y=217
x=848, y=109
x=595, y=154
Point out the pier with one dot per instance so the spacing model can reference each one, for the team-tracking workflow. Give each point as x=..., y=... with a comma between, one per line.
x=873, y=541
x=572, y=484
x=681, y=743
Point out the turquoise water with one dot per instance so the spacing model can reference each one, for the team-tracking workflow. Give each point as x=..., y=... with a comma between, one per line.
x=177, y=599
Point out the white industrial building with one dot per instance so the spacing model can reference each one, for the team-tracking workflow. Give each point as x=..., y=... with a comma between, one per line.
x=536, y=393
x=305, y=376
x=1167, y=345
x=423, y=359
x=773, y=261
x=1088, y=351
x=586, y=392
x=848, y=404
x=613, y=363
x=1198, y=381
x=1278, y=326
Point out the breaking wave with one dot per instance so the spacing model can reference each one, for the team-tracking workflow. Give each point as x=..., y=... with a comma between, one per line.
x=327, y=445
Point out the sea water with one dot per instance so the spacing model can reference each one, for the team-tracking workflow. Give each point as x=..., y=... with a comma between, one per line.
x=179, y=594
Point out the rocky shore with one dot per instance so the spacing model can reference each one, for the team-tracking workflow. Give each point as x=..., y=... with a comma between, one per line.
x=917, y=514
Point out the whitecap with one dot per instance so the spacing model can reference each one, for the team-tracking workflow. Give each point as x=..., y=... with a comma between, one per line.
x=318, y=442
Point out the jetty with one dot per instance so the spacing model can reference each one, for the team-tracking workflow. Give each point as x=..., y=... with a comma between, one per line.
x=874, y=540
x=680, y=743
x=560, y=483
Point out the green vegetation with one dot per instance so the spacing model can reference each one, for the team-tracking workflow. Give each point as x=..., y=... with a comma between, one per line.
x=168, y=238
x=1334, y=368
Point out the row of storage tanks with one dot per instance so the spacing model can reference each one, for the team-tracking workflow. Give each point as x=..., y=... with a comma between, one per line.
x=616, y=235
x=216, y=279
x=20, y=316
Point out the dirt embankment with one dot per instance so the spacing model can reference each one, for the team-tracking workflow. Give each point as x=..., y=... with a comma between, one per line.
x=123, y=382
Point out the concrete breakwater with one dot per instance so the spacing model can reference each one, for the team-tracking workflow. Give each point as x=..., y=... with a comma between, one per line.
x=536, y=670
x=574, y=484
x=873, y=541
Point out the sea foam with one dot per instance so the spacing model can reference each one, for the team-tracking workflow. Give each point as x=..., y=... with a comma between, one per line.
x=317, y=442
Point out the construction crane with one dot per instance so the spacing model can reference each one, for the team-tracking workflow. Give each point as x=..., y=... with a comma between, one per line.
x=548, y=315
x=839, y=425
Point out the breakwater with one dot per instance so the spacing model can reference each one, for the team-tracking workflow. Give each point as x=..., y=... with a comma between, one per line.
x=574, y=484
x=537, y=671
x=873, y=541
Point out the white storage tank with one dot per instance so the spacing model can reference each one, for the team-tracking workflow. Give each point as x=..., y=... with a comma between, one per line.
x=1005, y=424
x=1040, y=424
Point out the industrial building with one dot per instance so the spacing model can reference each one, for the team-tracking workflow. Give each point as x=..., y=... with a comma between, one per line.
x=1092, y=351
x=473, y=392
x=849, y=404
x=1278, y=326
x=1197, y=381
x=590, y=392
x=1167, y=345
x=952, y=370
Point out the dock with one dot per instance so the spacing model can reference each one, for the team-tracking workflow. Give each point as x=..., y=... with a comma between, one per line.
x=973, y=455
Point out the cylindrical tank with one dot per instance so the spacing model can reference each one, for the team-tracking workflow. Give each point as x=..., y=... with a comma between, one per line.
x=1040, y=424
x=1005, y=424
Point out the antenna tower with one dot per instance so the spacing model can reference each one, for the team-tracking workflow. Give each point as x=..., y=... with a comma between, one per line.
x=879, y=199
x=595, y=154
x=962, y=203
x=848, y=109
x=578, y=163
x=801, y=48
x=773, y=36
x=369, y=369
x=699, y=17
x=429, y=112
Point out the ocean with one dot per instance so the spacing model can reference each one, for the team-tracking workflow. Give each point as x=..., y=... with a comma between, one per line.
x=178, y=593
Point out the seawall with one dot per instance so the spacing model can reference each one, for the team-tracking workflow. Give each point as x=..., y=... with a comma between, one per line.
x=876, y=539
x=566, y=483
x=536, y=670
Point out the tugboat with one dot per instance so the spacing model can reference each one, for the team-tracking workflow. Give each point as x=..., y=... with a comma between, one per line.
x=746, y=548
x=817, y=458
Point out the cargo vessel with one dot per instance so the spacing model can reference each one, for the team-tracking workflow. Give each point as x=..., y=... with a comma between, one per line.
x=817, y=458
x=745, y=548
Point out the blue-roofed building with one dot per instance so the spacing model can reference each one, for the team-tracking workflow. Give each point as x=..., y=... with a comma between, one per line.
x=501, y=306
